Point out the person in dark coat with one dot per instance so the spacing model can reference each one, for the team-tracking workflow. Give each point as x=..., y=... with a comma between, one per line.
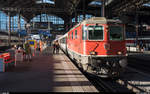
x=54, y=47
x=57, y=47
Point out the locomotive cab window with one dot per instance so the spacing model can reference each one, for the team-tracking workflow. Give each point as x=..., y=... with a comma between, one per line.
x=115, y=33
x=95, y=32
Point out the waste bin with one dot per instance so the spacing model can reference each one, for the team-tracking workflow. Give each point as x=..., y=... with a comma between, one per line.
x=19, y=55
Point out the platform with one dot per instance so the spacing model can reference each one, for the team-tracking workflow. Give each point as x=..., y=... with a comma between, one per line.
x=45, y=73
x=145, y=55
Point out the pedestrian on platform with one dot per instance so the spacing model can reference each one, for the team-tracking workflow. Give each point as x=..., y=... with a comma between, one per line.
x=41, y=46
x=28, y=51
x=57, y=47
x=54, y=47
x=14, y=47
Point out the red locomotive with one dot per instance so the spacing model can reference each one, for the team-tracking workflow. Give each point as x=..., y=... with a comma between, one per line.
x=98, y=46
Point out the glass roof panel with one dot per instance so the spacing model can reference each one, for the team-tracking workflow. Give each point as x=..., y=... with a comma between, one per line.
x=147, y=4
x=45, y=1
x=95, y=3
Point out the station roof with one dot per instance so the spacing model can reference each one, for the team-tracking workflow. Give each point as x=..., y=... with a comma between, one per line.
x=67, y=8
x=61, y=8
x=128, y=6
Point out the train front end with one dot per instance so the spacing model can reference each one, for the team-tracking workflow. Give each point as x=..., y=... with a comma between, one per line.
x=105, y=47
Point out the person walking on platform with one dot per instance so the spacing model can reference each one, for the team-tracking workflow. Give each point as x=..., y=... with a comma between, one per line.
x=27, y=51
x=41, y=47
x=14, y=47
x=54, y=47
x=57, y=47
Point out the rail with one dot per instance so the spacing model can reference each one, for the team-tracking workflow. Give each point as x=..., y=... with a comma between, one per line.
x=106, y=84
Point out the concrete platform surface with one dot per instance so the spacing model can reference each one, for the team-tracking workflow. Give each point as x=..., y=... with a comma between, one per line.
x=45, y=73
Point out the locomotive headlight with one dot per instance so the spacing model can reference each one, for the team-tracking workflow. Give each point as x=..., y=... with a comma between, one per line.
x=93, y=53
x=119, y=53
x=126, y=54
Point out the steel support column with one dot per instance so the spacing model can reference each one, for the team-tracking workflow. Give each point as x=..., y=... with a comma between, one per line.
x=0, y=19
x=137, y=22
x=9, y=31
x=67, y=23
x=103, y=8
x=12, y=21
x=41, y=17
x=19, y=27
x=70, y=23
x=6, y=24
x=83, y=9
x=76, y=18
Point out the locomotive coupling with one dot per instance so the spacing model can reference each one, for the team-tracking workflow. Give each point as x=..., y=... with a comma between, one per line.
x=123, y=63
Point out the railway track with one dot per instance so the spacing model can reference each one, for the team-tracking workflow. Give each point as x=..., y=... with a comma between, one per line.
x=106, y=84
x=140, y=64
x=103, y=84
x=133, y=81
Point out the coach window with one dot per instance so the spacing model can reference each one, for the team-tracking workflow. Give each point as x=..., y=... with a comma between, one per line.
x=60, y=40
x=75, y=34
x=84, y=33
x=72, y=35
x=69, y=36
x=95, y=32
x=65, y=40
